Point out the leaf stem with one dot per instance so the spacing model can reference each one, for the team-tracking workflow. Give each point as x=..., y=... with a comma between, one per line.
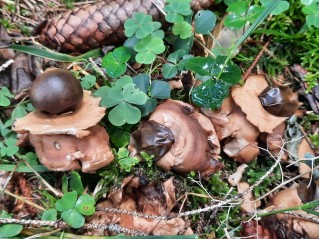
x=249, y=31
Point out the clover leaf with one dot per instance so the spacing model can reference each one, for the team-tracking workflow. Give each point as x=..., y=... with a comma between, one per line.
x=148, y=48
x=73, y=208
x=5, y=96
x=182, y=29
x=9, y=147
x=241, y=13
x=73, y=218
x=141, y=25
x=88, y=81
x=49, y=215
x=176, y=9
x=115, y=62
x=122, y=94
x=124, y=113
x=85, y=205
x=9, y=230
x=210, y=94
x=170, y=70
x=205, y=21
x=160, y=89
x=281, y=7
x=312, y=12
x=66, y=202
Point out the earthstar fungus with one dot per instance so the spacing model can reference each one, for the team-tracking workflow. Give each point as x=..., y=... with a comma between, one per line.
x=69, y=141
x=194, y=143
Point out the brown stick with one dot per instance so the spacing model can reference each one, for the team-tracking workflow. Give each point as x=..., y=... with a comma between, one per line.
x=248, y=72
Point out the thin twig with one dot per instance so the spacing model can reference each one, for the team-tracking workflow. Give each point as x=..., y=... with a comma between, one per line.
x=22, y=199
x=249, y=70
x=6, y=65
x=308, y=217
x=49, y=187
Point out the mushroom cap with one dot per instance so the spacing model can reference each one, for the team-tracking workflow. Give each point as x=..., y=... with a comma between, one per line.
x=195, y=142
x=86, y=116
x=56, y=91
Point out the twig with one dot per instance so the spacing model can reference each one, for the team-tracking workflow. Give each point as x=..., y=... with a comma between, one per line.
x=62, y=225
x=308, y=217
x=6, y=65
x=49, y=187
x=286, y=182
x=40, y=235
x=22, y=199
x=249, y=70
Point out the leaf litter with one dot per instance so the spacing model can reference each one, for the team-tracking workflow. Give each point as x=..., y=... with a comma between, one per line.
x=254, y=122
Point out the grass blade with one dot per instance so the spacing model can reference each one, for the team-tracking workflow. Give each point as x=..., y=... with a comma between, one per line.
x=53, y=55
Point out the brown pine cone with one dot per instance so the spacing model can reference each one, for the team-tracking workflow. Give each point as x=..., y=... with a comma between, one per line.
x=96, y=25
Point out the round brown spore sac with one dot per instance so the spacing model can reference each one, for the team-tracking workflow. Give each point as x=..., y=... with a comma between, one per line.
x=56, y=91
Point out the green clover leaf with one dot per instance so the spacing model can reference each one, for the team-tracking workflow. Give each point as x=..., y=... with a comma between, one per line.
x=88, y=81
x=205, y=21
x=49, y=215
x=5, y=96
x=160, y=89
x=210, y=94
x=73, y=218
x=66, y=202
x=312, y=12
x=182, y=29
x=176, y=9
x=85, y=205
x=141, y=25
x=132, y=95
x=9, y=230
x=115, y=62
x=148, y=48
x=124, y=113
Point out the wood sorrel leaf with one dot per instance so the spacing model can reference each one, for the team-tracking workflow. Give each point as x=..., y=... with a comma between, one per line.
x=133, y=95
x=160, y=89
x=210, y=94
x=200, y=65
x=205, y=21
x=231, y=72
x=66, y=202
x=76, y=183
x=73, y=218
x=124, y=113
x=85, y=205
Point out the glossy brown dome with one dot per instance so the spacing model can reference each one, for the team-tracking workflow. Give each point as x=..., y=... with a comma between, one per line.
x=56, y=91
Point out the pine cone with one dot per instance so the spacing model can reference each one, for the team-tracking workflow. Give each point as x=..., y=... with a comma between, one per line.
x=96, y=25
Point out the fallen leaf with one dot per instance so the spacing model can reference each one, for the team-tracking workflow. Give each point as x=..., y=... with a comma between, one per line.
x=246, y=98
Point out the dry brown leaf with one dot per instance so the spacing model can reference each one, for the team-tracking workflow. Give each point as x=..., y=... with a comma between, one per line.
x=235, y=178
x=248, y=204
x=76, y=123
x=275, y=141
x=291, y=226
x=247, y=98
x=156, y=198
x=230, y=122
